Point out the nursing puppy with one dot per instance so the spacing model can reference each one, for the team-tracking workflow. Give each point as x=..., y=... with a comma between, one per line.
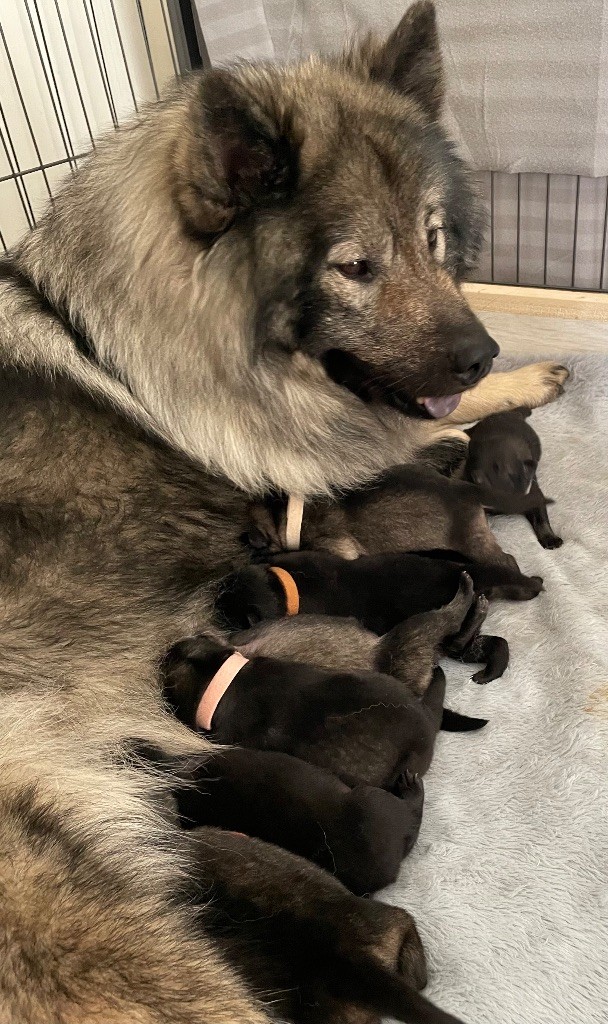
x=408, y=508
x=379, y=591
x=325, y=954
x=360, y=834
x=503, y=454
x=365, y=727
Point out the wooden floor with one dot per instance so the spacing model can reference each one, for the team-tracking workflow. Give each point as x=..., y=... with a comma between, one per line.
x=535, y=335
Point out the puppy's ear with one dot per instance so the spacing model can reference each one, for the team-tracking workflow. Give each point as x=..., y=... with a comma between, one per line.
x=409, y=61
x=524, y=411
x=241, y=152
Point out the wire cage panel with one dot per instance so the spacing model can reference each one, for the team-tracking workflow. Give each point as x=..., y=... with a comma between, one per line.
x=69, y=71
x=546, y=230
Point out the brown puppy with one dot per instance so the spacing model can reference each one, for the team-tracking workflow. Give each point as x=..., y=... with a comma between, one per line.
x=293, y=930
x=503, y=454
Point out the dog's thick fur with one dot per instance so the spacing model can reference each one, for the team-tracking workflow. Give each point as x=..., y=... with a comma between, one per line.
x=163, y=339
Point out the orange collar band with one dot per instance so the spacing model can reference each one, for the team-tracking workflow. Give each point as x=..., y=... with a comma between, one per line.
x=217, y=688
x=292, y=597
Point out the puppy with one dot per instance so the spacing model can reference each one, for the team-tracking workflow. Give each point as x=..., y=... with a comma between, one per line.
x=503, y=455
x=365, y=727
x=409, y=508
x=379, y=591
x=361, y=835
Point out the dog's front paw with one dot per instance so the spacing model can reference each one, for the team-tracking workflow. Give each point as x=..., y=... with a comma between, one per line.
x=539, y=383
x=554, y=377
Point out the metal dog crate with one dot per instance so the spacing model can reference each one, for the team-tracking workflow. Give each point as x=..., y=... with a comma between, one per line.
x=71, y=69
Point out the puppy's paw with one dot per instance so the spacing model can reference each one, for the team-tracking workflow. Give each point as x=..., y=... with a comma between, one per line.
x=409, y=786
x=470, y=626
x=551, y=541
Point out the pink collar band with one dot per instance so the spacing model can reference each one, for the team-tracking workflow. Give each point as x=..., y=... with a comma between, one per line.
x=293, y=526
x=217, y=688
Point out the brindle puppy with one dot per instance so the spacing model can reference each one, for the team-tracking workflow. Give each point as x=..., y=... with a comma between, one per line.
x=503, y=454
x=380, y=591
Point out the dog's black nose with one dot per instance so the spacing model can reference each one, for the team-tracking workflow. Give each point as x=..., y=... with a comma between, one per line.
x=472, y=355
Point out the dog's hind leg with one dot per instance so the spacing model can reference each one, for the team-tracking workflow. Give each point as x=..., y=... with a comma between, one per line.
x=533, y=385
x=539, y=521
x=409, y=651
x=493, y=651
x=471, y=647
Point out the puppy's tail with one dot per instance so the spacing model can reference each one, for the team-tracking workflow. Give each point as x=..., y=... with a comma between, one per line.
x=374, y=987
x=453, y=721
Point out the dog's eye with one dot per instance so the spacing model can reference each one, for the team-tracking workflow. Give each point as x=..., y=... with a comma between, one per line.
x=357, y=269
x=432, y=237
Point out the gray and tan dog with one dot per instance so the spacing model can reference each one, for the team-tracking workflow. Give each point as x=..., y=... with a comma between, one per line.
x=223, y=300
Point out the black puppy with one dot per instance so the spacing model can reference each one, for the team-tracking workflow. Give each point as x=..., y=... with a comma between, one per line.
x=503, y=456
x=365, y=727
x=361, y=835
x=380, y=591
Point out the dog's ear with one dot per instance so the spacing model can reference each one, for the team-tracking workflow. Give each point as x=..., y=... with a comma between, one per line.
x=409, y=61
x=244, y=152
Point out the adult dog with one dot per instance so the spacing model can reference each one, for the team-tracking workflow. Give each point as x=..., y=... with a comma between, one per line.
x=230, y=295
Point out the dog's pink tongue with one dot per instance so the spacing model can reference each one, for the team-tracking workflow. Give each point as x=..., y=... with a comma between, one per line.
x=440, y=407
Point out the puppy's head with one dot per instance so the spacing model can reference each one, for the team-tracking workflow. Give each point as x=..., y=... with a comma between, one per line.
x=338, y=179
x=185, y=672
x=248, y=597
x=504, y=453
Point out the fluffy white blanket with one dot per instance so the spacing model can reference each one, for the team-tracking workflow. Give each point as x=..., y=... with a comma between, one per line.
x=509, y=879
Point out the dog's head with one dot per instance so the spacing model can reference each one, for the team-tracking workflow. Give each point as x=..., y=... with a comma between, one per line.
x=360, y=218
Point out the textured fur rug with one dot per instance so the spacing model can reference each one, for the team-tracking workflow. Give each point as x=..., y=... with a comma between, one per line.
x=509, y=879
